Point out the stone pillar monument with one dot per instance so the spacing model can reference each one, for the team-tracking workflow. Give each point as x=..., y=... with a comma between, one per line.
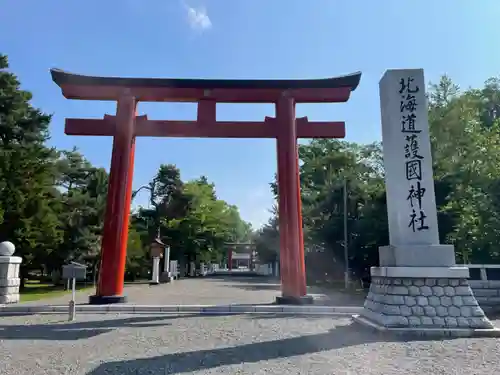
x=9, y=273
x=418, y=286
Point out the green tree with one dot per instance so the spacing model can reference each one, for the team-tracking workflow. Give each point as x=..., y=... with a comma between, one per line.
x=465, y=140
x=27, y=172
x=81, y=215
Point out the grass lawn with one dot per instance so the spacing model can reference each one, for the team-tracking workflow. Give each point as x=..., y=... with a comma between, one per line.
x=35, y=291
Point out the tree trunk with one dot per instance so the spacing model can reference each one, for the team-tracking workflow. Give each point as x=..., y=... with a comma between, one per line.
x=23, y=274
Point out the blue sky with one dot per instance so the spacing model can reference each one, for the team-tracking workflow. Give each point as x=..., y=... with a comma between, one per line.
x=240, y=39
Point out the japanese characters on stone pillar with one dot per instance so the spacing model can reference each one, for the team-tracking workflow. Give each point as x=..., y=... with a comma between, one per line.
x=411, y=204
x=407, y=157
x=418, y=285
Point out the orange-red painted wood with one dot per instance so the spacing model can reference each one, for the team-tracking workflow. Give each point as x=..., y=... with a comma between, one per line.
x=194, y=129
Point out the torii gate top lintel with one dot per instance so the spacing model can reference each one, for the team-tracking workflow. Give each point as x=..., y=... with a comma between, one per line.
x=327, y=90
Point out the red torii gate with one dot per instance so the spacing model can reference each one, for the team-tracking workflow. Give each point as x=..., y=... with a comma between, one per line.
x=126, y=126
x=248, y=247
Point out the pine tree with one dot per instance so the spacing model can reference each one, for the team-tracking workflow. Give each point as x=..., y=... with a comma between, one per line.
x=27, y=174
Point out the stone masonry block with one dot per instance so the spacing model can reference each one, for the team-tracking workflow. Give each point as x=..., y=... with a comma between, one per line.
x=463, y=291
x=426, y=291
x=434, y=301
x=430, y=282
x=422, y=301
x=449, y=291
x=438, y=291
x=454, y=311
x=446, y=301
x=430, y=311
x=414, y=290
x=418, y=303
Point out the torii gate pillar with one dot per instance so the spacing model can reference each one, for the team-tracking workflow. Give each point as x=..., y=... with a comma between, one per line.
x=116, y=222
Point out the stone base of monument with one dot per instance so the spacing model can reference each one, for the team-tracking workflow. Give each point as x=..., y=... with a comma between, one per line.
x=166, y=277
x=9, y=290
x=425, y=301
x=106, y=300
x=290, y=300
x=9, y=279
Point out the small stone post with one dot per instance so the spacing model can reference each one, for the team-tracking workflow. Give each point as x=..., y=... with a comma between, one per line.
x=418, y=286
x=9, y=273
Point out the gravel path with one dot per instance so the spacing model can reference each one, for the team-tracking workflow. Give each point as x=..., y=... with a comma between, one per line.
x=244, y=344
x=207, y=291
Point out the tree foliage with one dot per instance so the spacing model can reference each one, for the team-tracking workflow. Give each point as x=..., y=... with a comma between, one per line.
x=465, y=138
x=53, y=202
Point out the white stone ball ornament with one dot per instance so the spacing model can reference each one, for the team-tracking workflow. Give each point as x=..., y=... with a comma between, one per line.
x=7, y=249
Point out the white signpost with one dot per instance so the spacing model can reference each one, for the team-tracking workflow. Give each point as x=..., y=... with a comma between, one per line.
x=418, y=286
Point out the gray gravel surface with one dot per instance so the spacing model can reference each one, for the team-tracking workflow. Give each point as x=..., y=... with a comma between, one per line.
x=243, y=344
x=208, y=291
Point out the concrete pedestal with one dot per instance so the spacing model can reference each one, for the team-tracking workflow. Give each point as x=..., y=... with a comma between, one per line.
x=166, y=277
x=106, y=300
x=424, y=300
x=422, y=255
x=289, y=300
x=9, y=279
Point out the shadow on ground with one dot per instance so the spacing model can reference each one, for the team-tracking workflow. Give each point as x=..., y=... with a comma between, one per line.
x=329, y=296
x=243, y=278
x=256, y=287
x=67, y=331
x=189, y=362
x=248, y=283
x=78, y=330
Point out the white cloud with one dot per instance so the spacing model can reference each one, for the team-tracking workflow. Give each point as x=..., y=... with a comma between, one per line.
x=198, y=18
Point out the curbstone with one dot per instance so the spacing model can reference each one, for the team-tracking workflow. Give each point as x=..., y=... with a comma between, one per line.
x=195, y=309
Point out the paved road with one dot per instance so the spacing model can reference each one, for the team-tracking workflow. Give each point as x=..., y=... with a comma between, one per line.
x=243, y=344
x=208, y=291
